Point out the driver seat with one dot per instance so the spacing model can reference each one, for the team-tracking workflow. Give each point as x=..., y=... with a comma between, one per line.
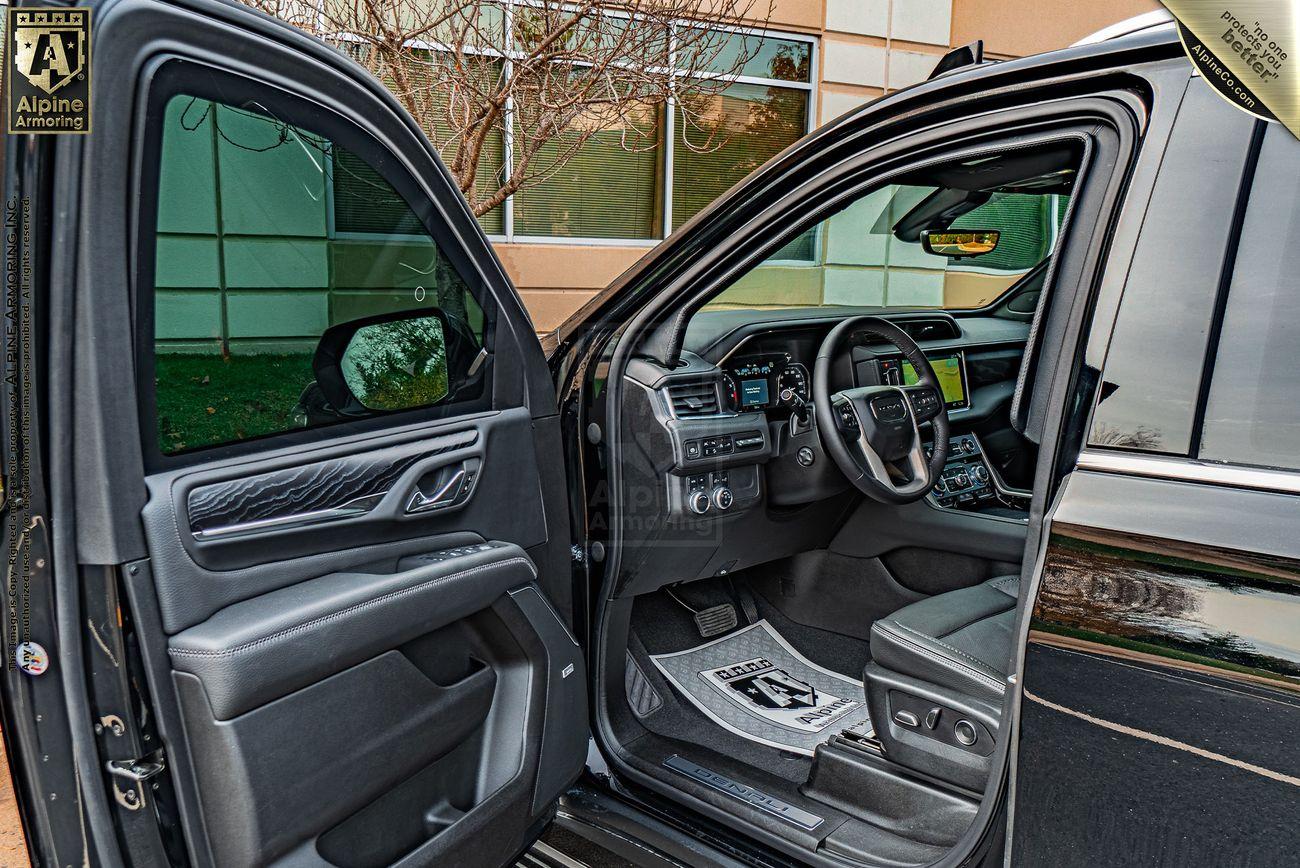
x=937, y=677
x=960, y=639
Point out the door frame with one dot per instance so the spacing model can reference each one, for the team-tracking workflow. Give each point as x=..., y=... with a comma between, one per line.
x=94, y=448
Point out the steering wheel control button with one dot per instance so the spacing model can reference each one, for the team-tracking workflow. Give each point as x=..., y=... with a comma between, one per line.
x=847, y=417
x=698, y=502
x=964, y=731
x=906, y=718
x=925, y=403
x=723, y=498
x=805, y=456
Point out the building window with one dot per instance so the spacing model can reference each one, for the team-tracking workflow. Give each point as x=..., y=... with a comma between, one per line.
x=642, y=175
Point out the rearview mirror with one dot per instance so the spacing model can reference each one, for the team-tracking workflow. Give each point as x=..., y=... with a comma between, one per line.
x=395, y=361
x=959, y=244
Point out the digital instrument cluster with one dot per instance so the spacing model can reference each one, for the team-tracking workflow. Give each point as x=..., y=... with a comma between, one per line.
x=764, y=382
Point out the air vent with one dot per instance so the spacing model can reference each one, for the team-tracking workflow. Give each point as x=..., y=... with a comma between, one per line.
x=693, y=399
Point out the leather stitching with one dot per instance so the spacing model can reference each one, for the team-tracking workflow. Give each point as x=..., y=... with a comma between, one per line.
x=940, y=658
x=356, y=607
x=1002, y=583
x=942, y=644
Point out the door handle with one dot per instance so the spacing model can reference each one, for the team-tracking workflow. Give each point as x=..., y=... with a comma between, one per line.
x=445, y=487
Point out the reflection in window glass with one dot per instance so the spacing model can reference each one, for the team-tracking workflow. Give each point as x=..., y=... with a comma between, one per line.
x=757, y=56
x=723, y=137
x=1147, y=401
x=1253, y=412
x=259, y=251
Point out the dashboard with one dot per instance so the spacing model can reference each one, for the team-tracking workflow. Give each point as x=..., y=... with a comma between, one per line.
x=771, y=381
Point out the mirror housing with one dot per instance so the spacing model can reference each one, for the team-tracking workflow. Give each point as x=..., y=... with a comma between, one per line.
x=385, y=363
x=957, y=245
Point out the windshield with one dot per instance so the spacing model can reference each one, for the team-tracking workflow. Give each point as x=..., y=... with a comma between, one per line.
x=856, y=257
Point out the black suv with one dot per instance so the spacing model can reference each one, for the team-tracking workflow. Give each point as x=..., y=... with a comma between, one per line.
x=931, y=498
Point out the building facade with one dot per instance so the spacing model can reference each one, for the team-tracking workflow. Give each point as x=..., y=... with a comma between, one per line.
x=858, y=49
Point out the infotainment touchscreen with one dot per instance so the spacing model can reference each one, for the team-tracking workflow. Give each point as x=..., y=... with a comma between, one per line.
x=948, y=369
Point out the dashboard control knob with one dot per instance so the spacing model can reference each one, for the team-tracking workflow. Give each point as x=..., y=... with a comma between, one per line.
x=965, y=732
x=805, y=456
x=968, y=446
x=723, y=498
x=940, y=486
x=698, y=502
x=981, y=474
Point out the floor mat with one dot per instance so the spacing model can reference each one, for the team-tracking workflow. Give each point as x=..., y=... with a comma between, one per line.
x=753, y=683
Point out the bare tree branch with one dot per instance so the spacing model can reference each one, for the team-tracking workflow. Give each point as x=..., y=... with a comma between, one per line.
x=563, y=74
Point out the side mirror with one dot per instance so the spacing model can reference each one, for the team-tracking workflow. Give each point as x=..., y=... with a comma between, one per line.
x=960, y=244
x=395, y=361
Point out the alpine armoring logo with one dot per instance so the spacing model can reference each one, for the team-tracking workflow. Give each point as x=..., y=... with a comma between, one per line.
x=49, y=71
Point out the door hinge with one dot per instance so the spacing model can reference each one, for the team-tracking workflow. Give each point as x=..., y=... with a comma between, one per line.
x=135, y=772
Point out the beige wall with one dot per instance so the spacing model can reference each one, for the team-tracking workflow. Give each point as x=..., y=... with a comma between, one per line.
x=866, y=47
x=1015, y=28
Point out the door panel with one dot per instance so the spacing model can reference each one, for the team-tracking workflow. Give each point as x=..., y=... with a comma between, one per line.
x=353, y=622
x=201, y=571
x=1161, y=704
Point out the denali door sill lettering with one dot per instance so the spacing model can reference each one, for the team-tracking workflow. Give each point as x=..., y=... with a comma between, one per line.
x=750, y=796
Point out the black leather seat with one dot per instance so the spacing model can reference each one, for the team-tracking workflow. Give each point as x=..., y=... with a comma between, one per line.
x=960, y=640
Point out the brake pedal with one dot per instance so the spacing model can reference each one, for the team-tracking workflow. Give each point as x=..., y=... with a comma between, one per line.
x=716, y=620
x=712, y=620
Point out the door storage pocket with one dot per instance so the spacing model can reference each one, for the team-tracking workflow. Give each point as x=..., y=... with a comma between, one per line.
x=286, y=771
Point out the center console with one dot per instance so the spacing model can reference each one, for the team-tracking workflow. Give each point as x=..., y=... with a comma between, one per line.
x=969, y=482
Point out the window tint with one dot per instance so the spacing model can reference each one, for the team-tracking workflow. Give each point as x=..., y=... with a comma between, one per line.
x=1157, y=348
x=1252, y=415
x=268, y=236
x=854, y=258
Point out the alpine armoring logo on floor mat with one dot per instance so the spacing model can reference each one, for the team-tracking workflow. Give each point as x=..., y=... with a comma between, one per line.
x=761, y=688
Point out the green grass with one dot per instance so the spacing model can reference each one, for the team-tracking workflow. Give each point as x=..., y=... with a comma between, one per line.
x=204, y=400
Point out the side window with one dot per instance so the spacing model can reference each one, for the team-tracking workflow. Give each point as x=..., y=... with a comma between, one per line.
x=856, y=257
x=1252, y=412
x=294, y=286
x=1158, y=343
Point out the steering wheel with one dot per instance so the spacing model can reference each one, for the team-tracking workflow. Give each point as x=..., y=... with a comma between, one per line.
x=872, y=432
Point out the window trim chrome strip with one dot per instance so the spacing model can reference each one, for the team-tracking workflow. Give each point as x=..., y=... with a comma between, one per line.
x=1189, y=470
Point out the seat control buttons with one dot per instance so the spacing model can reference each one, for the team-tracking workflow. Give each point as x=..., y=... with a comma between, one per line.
x=906, y=718
x=932, y=717
x=965, y=732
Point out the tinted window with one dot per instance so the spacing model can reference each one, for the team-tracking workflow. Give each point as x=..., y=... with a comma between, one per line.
x=268, y=235
x=856, y=258
x=1157, y=350
x=1252, y=415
